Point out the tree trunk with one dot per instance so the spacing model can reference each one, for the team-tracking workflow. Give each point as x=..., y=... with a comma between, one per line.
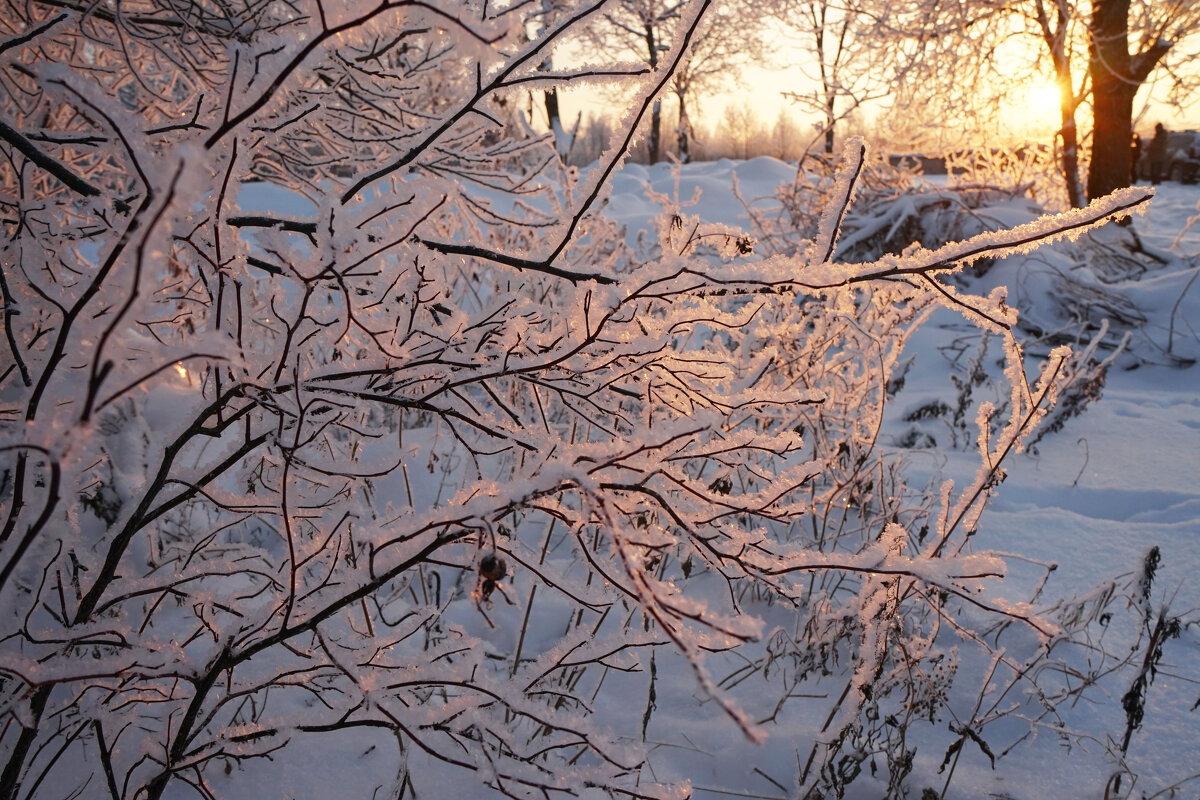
x=656, y=109
x=655, y=127
x=1054, y=34
x=562, y=141
x=819, y=13
x=1116, y=78
x=1069, y=160
x=552, y=113
x=830, y=119
x=683, y=131
x=1112, y=104
x=1112, y=97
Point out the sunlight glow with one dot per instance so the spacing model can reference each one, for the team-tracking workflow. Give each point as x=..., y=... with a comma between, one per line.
x=1042, y=102
x=1035, y=110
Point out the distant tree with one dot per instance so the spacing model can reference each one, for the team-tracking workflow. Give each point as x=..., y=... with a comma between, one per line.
x=729, y=38
x=564, y=140
x=740, y=128
x=828, y=27
x=642, y=29
x=853, y=57
x=785, y=136
x=1056, y=25
x=595, y=133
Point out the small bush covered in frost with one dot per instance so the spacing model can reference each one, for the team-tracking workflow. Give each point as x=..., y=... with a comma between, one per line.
x=430, y=458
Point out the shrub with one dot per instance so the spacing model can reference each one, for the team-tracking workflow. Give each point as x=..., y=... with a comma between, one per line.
x=431, y=461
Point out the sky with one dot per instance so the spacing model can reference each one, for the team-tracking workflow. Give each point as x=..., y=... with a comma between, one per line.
x=1033, y=112
x=1030, y=113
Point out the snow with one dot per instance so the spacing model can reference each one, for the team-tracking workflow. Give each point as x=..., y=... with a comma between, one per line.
x=1090, y=501
x=1083, y=508
x=1123, y=476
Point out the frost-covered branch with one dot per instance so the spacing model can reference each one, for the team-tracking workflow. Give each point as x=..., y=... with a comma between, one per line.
x=296, y=449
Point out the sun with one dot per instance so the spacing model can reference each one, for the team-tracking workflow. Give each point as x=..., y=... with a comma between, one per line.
x=1042, y=102
x=1031, y=110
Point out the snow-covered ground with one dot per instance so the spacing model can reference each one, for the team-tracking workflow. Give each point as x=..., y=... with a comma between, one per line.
x=1120, y=478
x=1096, y=495
x=1115, y=481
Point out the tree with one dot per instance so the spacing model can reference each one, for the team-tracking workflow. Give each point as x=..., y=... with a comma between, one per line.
x=729, y=38
x=741, y=129
x=564, y=140
x=854, y=52
x=642, y=29
x=1117, y=74
x=828, y=28
x=1069, y=35
x=1059, y=29
x=281, y=457
x=784, y=136
x=1056, y=29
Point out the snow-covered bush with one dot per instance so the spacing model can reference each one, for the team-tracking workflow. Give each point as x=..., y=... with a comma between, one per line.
x=430, y=462
x=1026, y=171
x=1071, y=293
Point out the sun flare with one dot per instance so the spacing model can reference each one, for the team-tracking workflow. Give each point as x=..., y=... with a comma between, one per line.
x=1031, y=110
x=1039, y=105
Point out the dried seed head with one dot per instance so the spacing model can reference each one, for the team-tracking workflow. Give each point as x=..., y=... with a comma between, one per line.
x=492, y=567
